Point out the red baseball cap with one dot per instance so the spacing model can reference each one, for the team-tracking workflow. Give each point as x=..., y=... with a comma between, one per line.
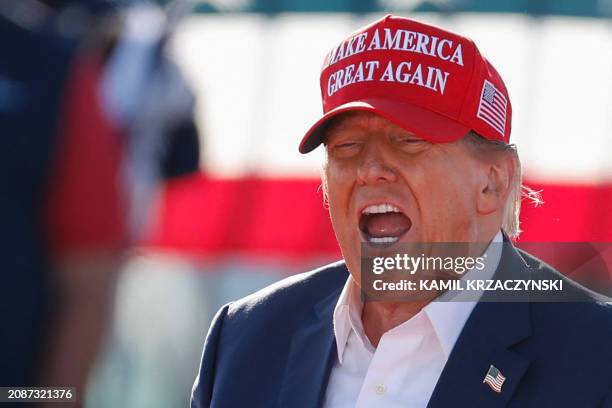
x=430, y=81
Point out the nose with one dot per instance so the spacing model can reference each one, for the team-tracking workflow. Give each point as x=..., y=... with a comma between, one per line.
x=375, y=169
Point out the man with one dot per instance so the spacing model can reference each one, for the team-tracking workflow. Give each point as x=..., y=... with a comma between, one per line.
x=416, y=131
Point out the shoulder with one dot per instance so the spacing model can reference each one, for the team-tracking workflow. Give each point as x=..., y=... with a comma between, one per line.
x=583, y=315
x=573, y=291
x=251, y=338
x=291, y=296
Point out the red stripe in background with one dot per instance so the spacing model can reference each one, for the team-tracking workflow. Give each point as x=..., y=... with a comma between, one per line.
x=571, y=213
x=284, y=219
x=204, y=216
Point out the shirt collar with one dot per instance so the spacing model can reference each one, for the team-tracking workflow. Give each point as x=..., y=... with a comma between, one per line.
x=347, y=316
x=446, y=317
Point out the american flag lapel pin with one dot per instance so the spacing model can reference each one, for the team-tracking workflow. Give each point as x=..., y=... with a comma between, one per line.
x=494, y=379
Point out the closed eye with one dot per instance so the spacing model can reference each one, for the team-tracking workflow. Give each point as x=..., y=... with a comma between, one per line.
x=410, y=143
x=345, y=149
x=411, y=140
x=345, y=145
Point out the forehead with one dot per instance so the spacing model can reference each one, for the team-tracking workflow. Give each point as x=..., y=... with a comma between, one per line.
x=360, y=121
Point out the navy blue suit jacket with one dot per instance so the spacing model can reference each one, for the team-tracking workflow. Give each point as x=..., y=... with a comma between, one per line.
x=276, y=348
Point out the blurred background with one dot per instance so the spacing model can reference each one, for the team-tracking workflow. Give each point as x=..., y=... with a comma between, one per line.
x=150, y=171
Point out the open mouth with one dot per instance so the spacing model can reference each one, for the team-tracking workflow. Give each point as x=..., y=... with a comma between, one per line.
x=383, y=224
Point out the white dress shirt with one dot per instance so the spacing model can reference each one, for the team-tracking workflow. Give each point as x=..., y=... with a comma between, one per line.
x=404, y=369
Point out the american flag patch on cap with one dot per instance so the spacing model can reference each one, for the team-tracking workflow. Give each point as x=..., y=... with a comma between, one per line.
x=494, y=378
x=492, y=107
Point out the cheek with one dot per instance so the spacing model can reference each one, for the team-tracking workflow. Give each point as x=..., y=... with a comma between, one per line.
x=443, y=192
x=338, y=190
x=340, y=219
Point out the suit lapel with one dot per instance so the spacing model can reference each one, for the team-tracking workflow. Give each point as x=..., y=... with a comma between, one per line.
x=486, y=340
x=311, y=357
x=479, y=346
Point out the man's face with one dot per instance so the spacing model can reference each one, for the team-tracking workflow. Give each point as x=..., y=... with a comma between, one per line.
x=386, y=186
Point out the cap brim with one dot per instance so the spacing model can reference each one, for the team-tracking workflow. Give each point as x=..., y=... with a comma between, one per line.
x=423, y=123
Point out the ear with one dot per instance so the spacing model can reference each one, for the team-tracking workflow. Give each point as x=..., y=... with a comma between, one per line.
x=496, y=185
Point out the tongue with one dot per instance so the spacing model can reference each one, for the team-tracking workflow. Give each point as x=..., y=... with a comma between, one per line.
x=387, y=225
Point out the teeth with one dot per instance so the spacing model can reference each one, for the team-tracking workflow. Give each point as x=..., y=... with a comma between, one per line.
x=380, y=209
x=383, y=240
